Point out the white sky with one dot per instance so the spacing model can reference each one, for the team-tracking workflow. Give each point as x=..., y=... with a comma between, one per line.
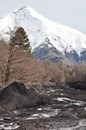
x=68, y=12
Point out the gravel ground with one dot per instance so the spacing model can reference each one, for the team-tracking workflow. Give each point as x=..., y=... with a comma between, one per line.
x=66, y=111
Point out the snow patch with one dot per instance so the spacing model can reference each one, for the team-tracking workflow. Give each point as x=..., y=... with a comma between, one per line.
x=9, y=126
x=75, y=102
x=43, y=115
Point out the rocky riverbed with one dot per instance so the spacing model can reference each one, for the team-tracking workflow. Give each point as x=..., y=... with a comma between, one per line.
x=66, y=110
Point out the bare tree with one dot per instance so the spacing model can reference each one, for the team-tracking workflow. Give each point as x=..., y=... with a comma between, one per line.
x=3, y=60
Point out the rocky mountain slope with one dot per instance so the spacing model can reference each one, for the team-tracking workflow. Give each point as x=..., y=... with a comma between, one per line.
x=49, y=40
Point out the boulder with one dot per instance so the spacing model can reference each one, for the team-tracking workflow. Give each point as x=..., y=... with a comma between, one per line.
x=17, y=96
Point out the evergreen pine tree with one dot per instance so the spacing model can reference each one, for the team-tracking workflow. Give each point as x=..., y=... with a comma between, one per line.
x=21, y=39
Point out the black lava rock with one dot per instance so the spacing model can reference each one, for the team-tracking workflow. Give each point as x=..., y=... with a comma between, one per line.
x=17, y=96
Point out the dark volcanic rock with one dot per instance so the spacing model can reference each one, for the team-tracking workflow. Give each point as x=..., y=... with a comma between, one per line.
x=44, y=52
x=77, y=85
x=17, y=96
x=83, y=56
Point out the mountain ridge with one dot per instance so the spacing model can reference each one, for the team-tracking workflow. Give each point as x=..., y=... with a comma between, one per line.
x=42, y=31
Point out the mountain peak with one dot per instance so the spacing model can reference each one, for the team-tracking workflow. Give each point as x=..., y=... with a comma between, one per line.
x=30, y=11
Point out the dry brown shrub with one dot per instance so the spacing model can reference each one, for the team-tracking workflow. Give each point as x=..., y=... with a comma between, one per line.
x=75, y=72
x=3, y=60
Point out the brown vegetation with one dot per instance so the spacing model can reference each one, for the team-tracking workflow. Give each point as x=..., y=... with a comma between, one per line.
x=3, y=61
x=75, y=72
x=30, y=71
x=21, y=67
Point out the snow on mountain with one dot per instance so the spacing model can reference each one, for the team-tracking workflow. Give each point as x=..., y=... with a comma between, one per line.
x=41, y=31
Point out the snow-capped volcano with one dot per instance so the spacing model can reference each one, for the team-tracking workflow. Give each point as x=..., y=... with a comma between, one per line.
x=45, y=35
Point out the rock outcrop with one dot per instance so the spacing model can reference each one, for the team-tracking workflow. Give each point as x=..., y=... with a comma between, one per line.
x=17, y=96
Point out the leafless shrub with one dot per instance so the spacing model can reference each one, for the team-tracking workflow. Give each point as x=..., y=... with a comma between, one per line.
x=75, y=72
